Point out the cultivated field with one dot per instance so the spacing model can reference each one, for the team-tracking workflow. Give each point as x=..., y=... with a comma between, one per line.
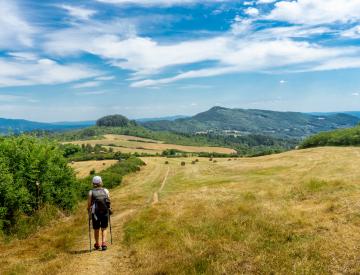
x=292, y=213
x=130, y=144
x=83, y=168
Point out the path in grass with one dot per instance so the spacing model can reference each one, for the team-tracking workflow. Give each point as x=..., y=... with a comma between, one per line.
x=156, y=194
x=127, y=201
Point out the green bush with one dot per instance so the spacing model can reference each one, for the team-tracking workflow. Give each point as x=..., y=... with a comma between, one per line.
x=24, y=161
x=112, y=176
x=341, y=137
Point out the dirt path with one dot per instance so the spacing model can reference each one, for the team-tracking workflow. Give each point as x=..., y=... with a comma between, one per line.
x=155, y=199
x=117, y=259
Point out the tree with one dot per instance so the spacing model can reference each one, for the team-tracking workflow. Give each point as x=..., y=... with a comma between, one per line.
x=114, y=121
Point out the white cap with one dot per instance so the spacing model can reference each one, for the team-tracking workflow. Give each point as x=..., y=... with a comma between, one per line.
x=97, y=180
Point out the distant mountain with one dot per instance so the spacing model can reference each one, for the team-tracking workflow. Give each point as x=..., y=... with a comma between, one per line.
x=75, y=123
x=352, y=113
x=241, y=122
x=168, y=118
x=22, y=125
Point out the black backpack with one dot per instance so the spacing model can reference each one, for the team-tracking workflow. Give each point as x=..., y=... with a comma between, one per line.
x=101, y=201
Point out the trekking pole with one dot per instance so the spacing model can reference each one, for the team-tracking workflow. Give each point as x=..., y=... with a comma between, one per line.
x=90, y=230
x=110, y=229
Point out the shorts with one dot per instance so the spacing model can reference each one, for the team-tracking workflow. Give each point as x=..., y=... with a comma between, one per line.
x=102, y=221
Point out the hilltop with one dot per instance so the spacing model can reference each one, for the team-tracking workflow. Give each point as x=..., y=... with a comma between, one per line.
x=243, y=122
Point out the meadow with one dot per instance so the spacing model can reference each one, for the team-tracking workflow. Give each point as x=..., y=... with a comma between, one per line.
x=132, y=144
x=291, y=213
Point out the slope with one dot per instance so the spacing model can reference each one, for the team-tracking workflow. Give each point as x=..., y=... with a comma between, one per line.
x=279, y=124
x=295, y=212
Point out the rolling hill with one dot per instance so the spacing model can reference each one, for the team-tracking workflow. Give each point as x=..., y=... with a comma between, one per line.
x=243, y=122
x=292, y=213
x=22, y=125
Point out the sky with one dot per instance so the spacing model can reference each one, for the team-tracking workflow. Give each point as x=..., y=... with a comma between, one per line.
x=80, y=60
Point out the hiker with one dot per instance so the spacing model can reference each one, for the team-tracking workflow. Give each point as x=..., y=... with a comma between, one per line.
x=99, y=207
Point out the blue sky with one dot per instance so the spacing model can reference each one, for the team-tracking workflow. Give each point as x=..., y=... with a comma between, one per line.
x=79, y=60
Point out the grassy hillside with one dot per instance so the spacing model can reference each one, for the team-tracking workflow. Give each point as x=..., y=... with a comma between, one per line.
x=292, y=213
x=279, y=124
x=341, y=137
x=248, y=145
x=131, y=144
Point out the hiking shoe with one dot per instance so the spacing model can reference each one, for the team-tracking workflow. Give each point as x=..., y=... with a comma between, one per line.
x=96, y=246
x=103, y=246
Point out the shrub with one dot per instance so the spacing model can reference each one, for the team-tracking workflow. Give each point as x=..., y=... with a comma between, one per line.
x=24, y=161
x=183, y=163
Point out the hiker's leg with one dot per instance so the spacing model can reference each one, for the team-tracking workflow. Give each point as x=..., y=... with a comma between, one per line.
x=103, y=234
x=96, y=235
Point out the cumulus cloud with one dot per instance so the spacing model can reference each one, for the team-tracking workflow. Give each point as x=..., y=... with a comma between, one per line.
x=316, y=11
x=39, y=72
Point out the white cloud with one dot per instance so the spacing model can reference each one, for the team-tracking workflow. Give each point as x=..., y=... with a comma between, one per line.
x=316, y=11
x=352, y=33
x=355, y=94
x=282, y=81
x=91, y=93
x=157, y=2
x=249, y=3
x=78, y=12
x=25, y=56
x=42, y=71
x=265, y=1
x=15, y=31
x=252, y=11
x=262, y=56
x=88, y=84
x=245, y=48
x=339, y=64
x=105, y=78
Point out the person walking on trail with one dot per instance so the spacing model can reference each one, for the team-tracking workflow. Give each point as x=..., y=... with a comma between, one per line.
x=99, y=207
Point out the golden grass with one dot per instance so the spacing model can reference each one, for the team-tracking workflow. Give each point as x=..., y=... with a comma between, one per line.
x=83, y=168
x=130, y=144
x=292, y=213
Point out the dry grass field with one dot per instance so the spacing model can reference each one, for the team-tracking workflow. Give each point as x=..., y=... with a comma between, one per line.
x=83, y=168
x=130, y=144
x=292, y=213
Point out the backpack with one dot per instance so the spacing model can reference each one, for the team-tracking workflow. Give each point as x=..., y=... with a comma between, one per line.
x=101, y=201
